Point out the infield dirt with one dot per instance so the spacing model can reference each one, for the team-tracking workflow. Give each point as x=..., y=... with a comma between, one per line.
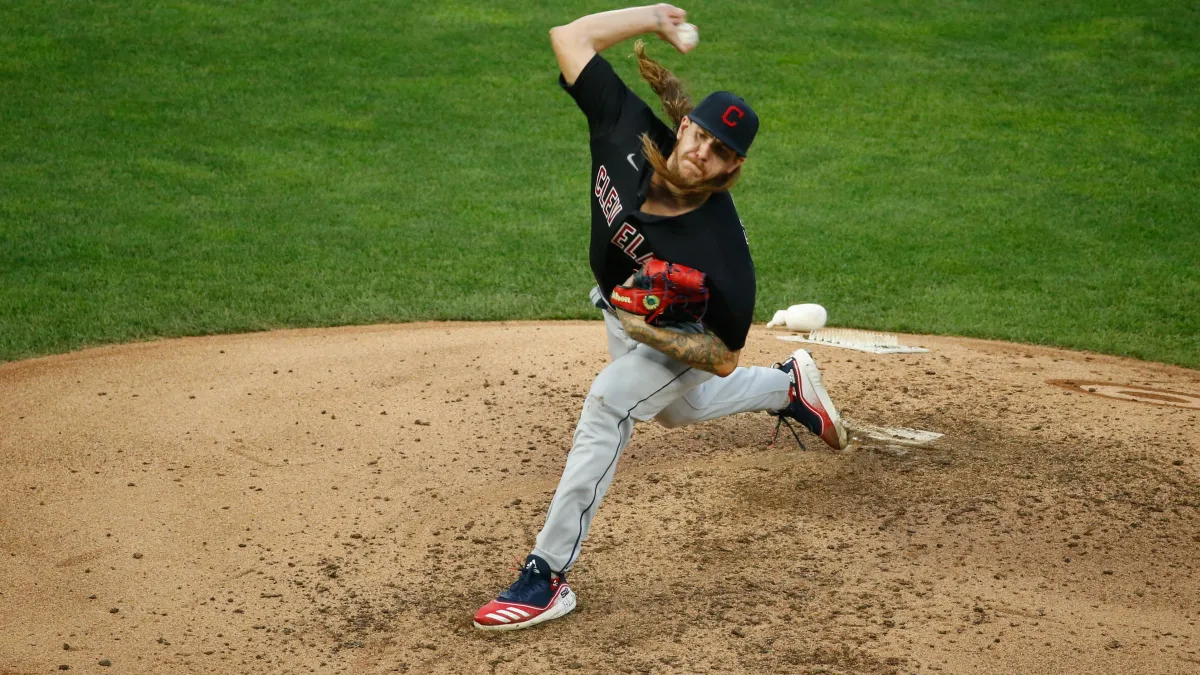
x=342, y=500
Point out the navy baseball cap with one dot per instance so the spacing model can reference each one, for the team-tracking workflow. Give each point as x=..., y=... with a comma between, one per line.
x=728, y=117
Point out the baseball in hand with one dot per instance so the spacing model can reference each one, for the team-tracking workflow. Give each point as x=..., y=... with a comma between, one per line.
x=688, y=35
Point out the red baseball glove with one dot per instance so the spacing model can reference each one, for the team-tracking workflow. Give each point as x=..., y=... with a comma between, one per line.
x=663, y=291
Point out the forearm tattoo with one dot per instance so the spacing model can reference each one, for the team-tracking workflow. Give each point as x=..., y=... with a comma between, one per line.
x=703, y=351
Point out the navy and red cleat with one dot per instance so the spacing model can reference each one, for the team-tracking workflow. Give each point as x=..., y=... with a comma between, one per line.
x=809, y=402
x=535, y=597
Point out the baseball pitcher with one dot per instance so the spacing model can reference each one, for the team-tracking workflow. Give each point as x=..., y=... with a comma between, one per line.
x=674, y=281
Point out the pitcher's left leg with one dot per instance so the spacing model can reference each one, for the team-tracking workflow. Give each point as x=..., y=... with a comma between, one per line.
x=635, y=386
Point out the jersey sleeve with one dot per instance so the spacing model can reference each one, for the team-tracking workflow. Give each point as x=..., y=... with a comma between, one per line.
x=600, y=94
x=733, y=284
x=731, y=311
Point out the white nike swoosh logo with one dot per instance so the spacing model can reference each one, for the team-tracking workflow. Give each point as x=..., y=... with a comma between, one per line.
x=631, y=162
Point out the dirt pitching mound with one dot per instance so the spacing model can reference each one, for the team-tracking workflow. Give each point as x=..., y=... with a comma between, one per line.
x=341, y=501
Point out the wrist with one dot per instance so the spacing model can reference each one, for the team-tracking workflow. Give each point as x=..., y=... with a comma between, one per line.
x=633, y=324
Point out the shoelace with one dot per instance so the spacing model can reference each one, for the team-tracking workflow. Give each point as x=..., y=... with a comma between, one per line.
x=771, y=443
x=521, y=589
x=527, y=576
x=775, y=433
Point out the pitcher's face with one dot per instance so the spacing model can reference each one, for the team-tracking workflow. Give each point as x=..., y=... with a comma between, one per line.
x=699, y=156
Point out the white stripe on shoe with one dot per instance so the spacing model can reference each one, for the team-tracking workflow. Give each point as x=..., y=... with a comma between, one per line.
x=518, y=610
x=509, y=613
x=562, y=604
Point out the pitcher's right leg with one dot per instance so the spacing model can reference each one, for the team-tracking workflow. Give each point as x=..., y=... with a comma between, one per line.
x=792, y=389
x=746, y=389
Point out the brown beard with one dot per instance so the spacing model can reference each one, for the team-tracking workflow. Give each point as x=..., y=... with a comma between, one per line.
x=678, y=184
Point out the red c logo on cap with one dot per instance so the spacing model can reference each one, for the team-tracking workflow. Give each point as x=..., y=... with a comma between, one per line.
x=732, y=109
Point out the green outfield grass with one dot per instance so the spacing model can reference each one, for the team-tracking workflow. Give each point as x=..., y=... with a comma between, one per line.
x=1008, y=169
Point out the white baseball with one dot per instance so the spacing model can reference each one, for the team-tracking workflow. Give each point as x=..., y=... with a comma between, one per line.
x=689, y=36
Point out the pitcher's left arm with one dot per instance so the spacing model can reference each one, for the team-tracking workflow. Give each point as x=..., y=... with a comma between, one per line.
x=703, y=351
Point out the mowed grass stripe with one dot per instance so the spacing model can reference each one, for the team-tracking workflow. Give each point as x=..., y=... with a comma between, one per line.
x=995, y=169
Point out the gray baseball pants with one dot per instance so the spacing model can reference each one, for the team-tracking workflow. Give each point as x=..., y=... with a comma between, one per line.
x=639, y=384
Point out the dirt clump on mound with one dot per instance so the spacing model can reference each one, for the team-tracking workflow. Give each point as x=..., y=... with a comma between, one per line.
x=342, y=500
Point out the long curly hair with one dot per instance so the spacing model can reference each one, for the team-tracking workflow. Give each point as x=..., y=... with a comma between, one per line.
x=676, y=103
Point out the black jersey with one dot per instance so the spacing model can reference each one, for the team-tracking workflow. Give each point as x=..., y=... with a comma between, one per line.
x=709, y=238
